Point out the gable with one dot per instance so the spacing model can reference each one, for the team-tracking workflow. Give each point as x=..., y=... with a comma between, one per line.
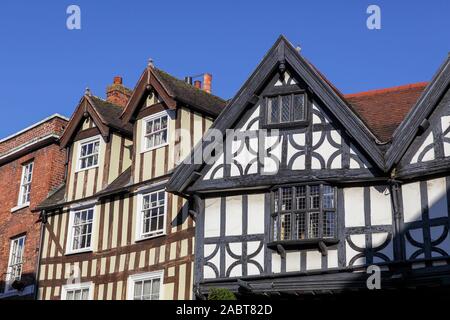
x=314, y=148
x=430, y=148
x=279, y=58
x=85, y=118
x=420, y=113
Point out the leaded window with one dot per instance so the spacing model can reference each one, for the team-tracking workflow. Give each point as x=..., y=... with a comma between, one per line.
x=286, y=108
x=304, y=212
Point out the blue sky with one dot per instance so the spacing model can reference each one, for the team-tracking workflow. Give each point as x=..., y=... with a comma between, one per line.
x=44, y=67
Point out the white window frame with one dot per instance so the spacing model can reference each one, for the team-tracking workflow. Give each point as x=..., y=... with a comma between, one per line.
x=69, y=244
x=139, y=216
x=144, y=127
x=10, y=280
x=78, y=286
x=20, y=202
x=80, y=145
x=142, y=277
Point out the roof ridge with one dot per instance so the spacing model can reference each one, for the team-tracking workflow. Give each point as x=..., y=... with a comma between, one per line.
x=386, y=90
x=188, y=84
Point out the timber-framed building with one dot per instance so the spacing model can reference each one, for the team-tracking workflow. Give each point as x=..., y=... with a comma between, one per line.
x=111, y=231
x=316, y=186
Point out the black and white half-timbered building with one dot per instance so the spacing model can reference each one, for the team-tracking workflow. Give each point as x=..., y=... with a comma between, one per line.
x=301, y=189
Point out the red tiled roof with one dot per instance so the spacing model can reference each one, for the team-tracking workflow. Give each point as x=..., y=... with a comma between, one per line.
x=383, y=110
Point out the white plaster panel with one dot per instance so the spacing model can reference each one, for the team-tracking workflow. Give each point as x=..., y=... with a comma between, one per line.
x=299, y=162
x=445, y=245
x=233, y=219
x=325, y=149
x=388, y=251
x=445, y=124
x=236, y=248
x=380, y=207
x=252, y=246
x=245, y=156
x=276, y=263
x=437, y=198
x=417, y=235
x=313, y=260
x=379, y=238
x=219, y=173
x=293, y=261
x=272, y=160
x=429, y=155
x=212, y=217
x=353, y=163
x=350, y=253
x=316, y=119
x=436, y=232
x=255, y=125
x=354, y=207
x=256, y=214
x=208, y=272
x=332, y=259
x=411, y=202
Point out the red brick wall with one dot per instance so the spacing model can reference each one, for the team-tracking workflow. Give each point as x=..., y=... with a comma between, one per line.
x=48, y=173
x=55, y=125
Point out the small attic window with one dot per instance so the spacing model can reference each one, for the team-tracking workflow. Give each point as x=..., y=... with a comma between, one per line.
x=285, y=109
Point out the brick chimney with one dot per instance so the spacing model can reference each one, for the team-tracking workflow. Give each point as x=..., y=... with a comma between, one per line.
x=207, y=78
x=198, y=84
x=117, y=93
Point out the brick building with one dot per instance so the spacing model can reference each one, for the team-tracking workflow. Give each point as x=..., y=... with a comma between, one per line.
x=31, y=165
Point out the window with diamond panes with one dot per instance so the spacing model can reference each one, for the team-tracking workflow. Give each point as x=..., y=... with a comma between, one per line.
x=286, y=108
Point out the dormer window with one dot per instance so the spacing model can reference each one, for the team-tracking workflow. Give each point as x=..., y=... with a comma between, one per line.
x=155, y=131
x=285, y=109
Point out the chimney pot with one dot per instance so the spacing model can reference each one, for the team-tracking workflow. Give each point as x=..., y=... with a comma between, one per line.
x=118, y=80
x=198, y=84
x=207, y=78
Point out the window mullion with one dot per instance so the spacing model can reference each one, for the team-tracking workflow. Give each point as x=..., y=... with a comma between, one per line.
x=308, y=205
x=291, y=108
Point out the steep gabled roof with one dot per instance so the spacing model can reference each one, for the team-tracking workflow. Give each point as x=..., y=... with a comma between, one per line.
x=383, y=110
x=187, y=93
x=110, y=114
x=172, y=90
x=106, y=116
x=282, y=52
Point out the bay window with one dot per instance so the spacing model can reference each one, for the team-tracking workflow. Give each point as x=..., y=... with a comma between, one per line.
x=304, y=212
